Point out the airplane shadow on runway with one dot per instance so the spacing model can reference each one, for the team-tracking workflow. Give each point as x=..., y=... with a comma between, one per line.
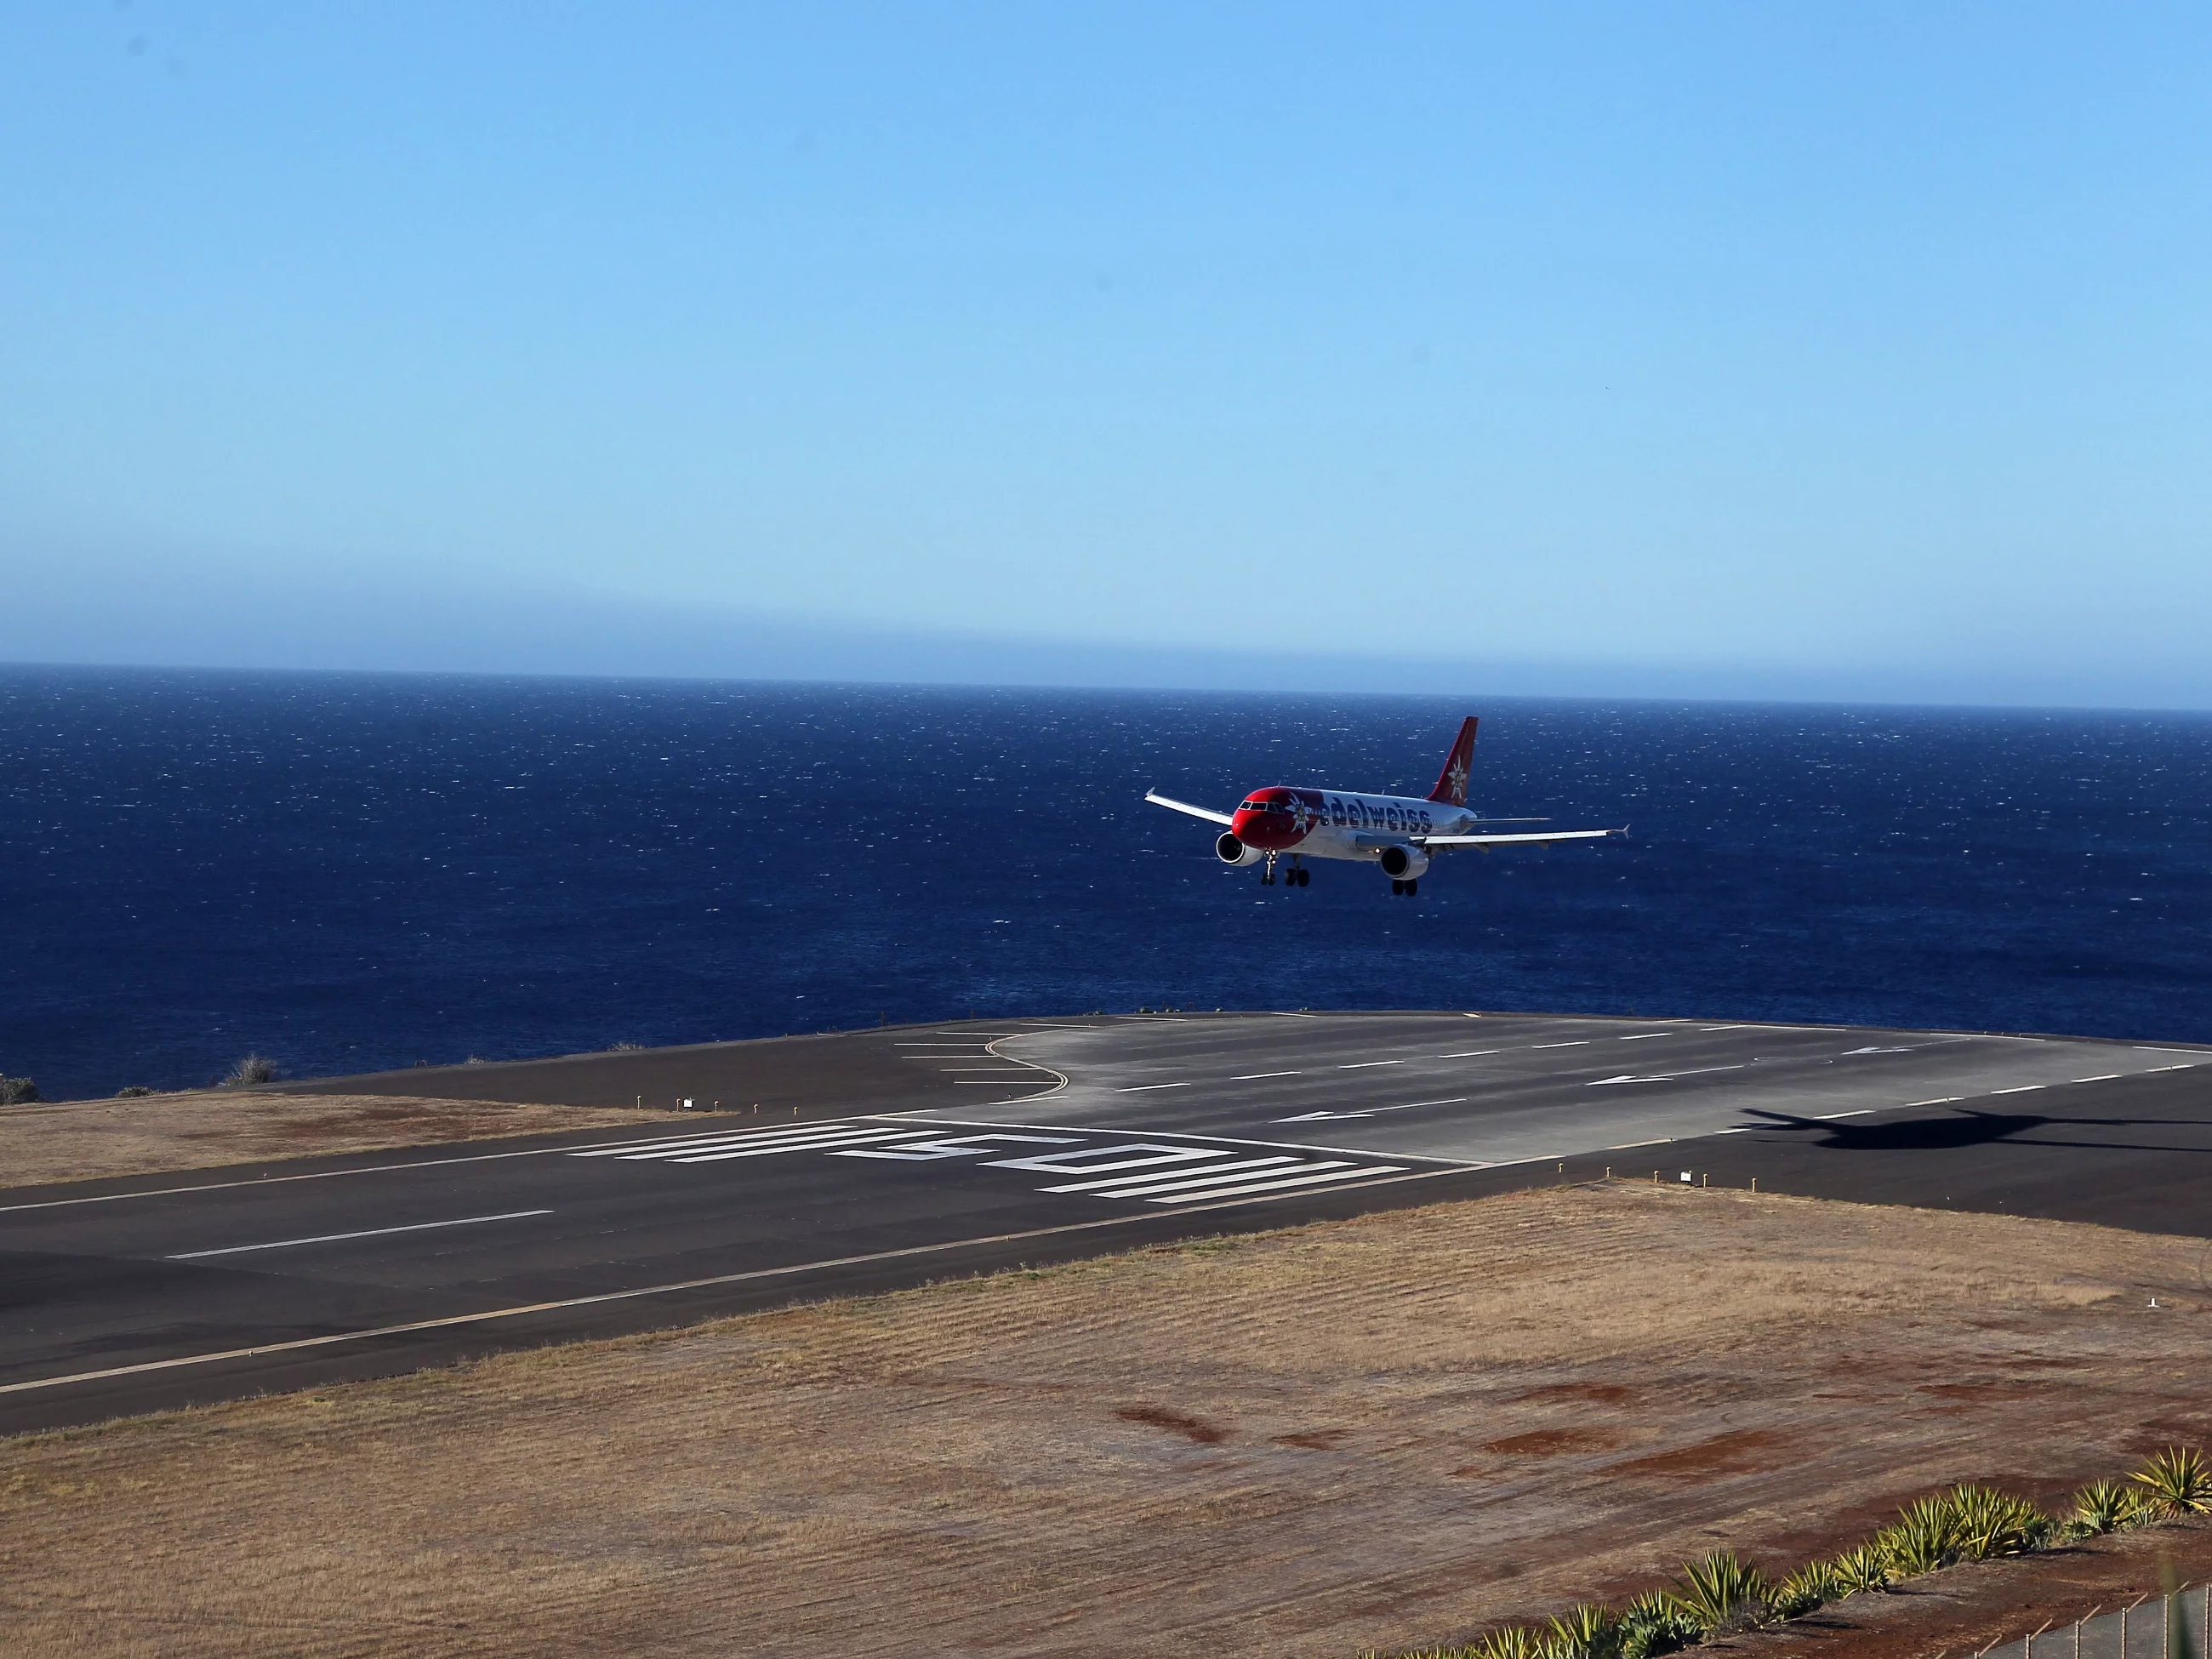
x=1971, y=1128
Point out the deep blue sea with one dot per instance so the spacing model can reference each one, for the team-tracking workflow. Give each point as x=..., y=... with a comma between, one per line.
x=354, y=871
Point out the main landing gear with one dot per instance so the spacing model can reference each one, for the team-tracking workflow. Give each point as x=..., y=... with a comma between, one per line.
x=1408, y=888
x=1296, y=876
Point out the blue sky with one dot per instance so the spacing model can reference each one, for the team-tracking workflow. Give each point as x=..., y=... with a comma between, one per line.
x=1855, y=351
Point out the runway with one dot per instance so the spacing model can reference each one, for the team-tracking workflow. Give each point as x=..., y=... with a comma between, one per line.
x=878, y=1159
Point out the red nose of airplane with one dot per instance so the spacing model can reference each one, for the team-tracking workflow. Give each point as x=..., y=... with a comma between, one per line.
x=1268, y=820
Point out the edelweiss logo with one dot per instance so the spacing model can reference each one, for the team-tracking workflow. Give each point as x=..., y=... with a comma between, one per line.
x=1457, y=778
x=1301, y=817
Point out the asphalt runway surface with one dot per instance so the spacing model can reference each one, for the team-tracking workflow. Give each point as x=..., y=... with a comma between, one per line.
x=874, y=1160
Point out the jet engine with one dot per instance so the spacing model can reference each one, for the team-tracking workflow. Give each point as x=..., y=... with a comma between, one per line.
x=1402, y=863
x=1232, y=850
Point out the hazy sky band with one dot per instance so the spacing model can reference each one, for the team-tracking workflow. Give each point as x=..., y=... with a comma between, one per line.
x=1725, y=344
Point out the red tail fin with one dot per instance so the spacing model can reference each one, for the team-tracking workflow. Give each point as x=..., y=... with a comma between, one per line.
x=1451, y=782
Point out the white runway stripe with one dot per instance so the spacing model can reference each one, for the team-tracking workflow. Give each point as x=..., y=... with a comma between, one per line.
x=851, y=1138
x=723, y=1138
x=1255, y=1189
x=1151, y=1179
x=373, y=1232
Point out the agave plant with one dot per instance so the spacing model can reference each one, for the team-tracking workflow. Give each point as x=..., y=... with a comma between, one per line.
x=2105, y=1506
x=1811, y=1585
x=1584, y=1631
x=2175, y=1482
x=1866, y=1568
x=1512, y=1641
x=1990, y=1522
x=1655, y=1624
x=1722, y=1593
x=1924, y=1538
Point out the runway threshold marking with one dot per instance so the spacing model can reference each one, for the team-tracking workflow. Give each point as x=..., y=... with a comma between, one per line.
x=1659, y=1077
x=371, y=1232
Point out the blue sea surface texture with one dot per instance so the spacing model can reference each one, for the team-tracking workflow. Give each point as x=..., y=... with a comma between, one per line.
x=348, y=873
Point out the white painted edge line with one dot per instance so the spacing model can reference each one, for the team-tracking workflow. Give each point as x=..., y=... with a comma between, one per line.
x=339, y=1238
x=333, y=1175
x=2186, y=1065
x=1147, y=1088
x=1631, y=1145
x=1254, y=1076
x=451, y=1320
x=726, y=1137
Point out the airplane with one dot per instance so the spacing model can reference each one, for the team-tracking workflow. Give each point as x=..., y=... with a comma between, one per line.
x=1396, y=832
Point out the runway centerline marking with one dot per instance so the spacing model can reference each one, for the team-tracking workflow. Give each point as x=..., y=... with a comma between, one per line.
x=2101, y=1077
x=1370, y=1111
x=1579, y=1042
x=372, y=1232
x=1658, y=1076
x=1471, y=1054
x=2021, y=1089
x=1145, y=1088
x=1830, y=1117
x=1254, y=1076
x=1362, y=1065
x=1646, y=1037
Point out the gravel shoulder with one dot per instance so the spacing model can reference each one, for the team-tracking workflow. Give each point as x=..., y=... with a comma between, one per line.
x=96, y=1140
x=1380, y=1432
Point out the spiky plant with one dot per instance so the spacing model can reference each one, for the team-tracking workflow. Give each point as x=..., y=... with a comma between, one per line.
x=253, y=1069
x=2105, y=1506
x=1990, y=1522
x=1586, y=1630
x=1924, y=1538
x=1655, y=1624
x=1866, y=1568
x=1722, y=1593
x=1512, y=1641
x=1811, y=1586
x=2175, y=1482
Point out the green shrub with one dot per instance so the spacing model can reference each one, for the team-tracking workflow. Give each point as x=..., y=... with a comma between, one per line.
x=18, y=1092
x=2105, y=1506
x=1722, y=1594
x=1811, y=1585
x=1990, y=1522
x=135, y=1091
x=1925, y=1537
x=1513, y=1642
x=1655, y=1624
x=1866, y=1568
x=2175, y=1483
x=1584, y=1631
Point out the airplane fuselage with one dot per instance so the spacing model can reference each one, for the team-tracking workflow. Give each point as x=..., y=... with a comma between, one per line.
x=1330, y=824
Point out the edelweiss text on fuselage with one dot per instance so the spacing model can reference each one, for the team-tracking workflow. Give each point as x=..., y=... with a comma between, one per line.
x=1396, y=832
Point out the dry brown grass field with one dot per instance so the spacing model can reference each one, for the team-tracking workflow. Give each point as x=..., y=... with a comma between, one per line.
x=94, y=1139
x=1381, y=1431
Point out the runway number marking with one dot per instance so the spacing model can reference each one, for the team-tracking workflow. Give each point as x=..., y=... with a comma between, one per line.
x=1093, y=1163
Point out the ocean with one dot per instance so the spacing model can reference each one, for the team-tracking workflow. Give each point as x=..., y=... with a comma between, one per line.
x=353, y=871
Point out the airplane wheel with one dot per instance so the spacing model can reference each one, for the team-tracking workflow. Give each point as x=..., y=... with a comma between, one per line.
x=1305, y=878
x=1413, y=887
x=1396, y=888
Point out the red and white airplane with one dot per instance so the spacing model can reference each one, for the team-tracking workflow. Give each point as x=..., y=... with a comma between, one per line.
x=1395, y=831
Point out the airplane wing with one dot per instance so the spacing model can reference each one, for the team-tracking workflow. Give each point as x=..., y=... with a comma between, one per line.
x=1537, y=838
x=1158, y=799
